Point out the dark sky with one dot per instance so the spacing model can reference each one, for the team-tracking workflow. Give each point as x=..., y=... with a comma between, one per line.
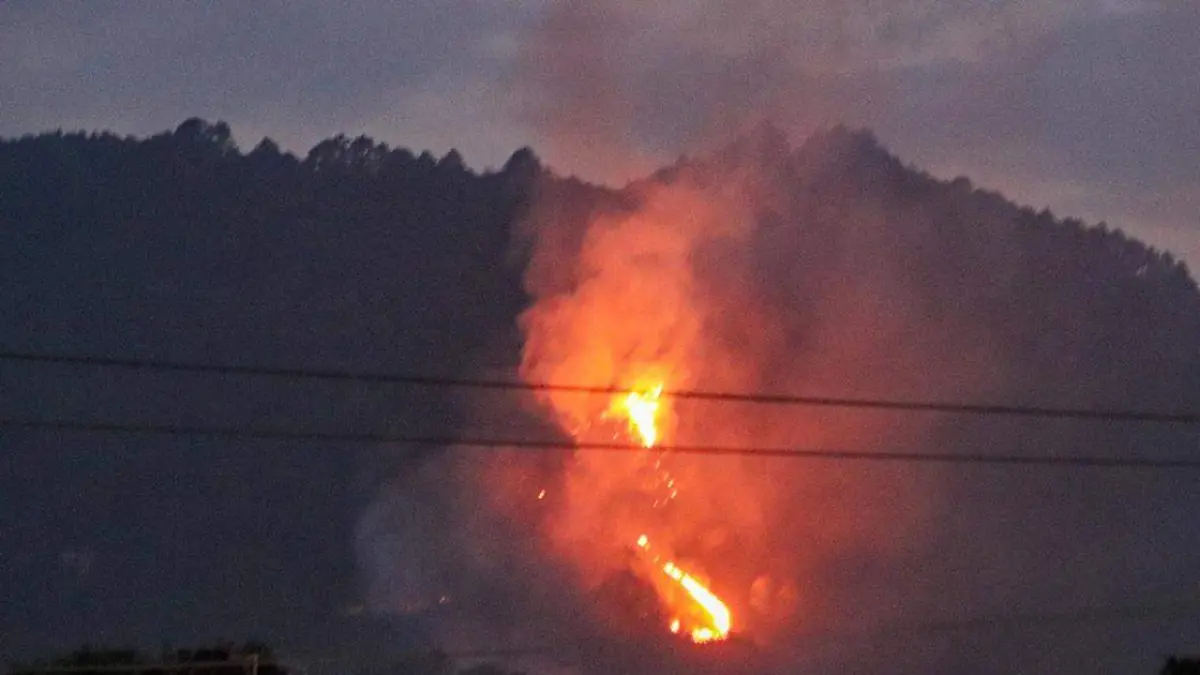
x=1087, y=106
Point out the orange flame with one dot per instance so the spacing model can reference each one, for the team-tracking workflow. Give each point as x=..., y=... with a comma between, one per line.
x=716, y=621
x=640, y=408
x=708, y=617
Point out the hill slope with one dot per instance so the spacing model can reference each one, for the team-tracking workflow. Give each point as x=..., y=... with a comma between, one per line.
x=852, y=275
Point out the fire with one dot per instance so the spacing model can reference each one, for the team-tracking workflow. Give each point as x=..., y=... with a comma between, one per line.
x=713, y=618
x=707, y=618
x=640, y=408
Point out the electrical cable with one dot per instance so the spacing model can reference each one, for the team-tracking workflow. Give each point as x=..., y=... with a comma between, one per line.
x=485, y=443
x=1112, y=415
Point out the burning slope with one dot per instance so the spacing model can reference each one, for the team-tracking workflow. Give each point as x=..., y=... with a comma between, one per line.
x=701, y=614
x=697, y=611
x=675, y=287
x=640, y=329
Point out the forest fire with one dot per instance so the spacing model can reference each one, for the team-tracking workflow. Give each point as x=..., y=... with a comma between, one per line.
x=640, y=408
x=643, y=530
x=708, y=616
x=696, y=611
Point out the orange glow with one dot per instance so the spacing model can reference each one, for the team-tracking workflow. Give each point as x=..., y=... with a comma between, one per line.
x=640, y=409
x=710, y=616
x=707, y=618
x=662, y=294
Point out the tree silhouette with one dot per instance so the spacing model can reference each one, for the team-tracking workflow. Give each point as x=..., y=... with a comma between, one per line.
x=1181, y=666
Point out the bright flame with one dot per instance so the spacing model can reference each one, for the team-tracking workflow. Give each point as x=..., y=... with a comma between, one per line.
x=641, y=409
x=708, y=618
x=717, y=618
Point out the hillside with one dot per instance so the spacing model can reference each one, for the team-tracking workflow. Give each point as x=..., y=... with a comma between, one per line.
x=851, y=275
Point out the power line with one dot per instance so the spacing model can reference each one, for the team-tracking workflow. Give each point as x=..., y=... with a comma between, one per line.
x=485, y=443
x=1109, y=415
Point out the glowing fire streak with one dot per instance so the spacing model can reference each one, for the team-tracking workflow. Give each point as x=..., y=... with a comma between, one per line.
x=719, y=618
x=641, y=409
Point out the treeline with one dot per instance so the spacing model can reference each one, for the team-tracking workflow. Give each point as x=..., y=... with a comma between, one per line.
x=219, y=659
x=250, y=658
x=1181, y=666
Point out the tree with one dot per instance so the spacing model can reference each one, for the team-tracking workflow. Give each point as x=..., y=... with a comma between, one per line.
x=219, y=659
x=200, y=133
x=1181, y=666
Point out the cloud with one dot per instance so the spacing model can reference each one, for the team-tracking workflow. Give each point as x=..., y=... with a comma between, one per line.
x=1017, y=95
x=1095, y=94
x=296, y=71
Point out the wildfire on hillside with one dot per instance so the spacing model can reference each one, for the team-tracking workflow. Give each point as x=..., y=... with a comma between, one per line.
x=695, y=610
x=662, y=519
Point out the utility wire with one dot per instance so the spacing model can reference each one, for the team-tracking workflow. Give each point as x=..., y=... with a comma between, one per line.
x=1109, y=415
x=486, y=443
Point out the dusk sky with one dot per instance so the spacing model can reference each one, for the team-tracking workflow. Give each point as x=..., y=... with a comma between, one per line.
x=1085, y=106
